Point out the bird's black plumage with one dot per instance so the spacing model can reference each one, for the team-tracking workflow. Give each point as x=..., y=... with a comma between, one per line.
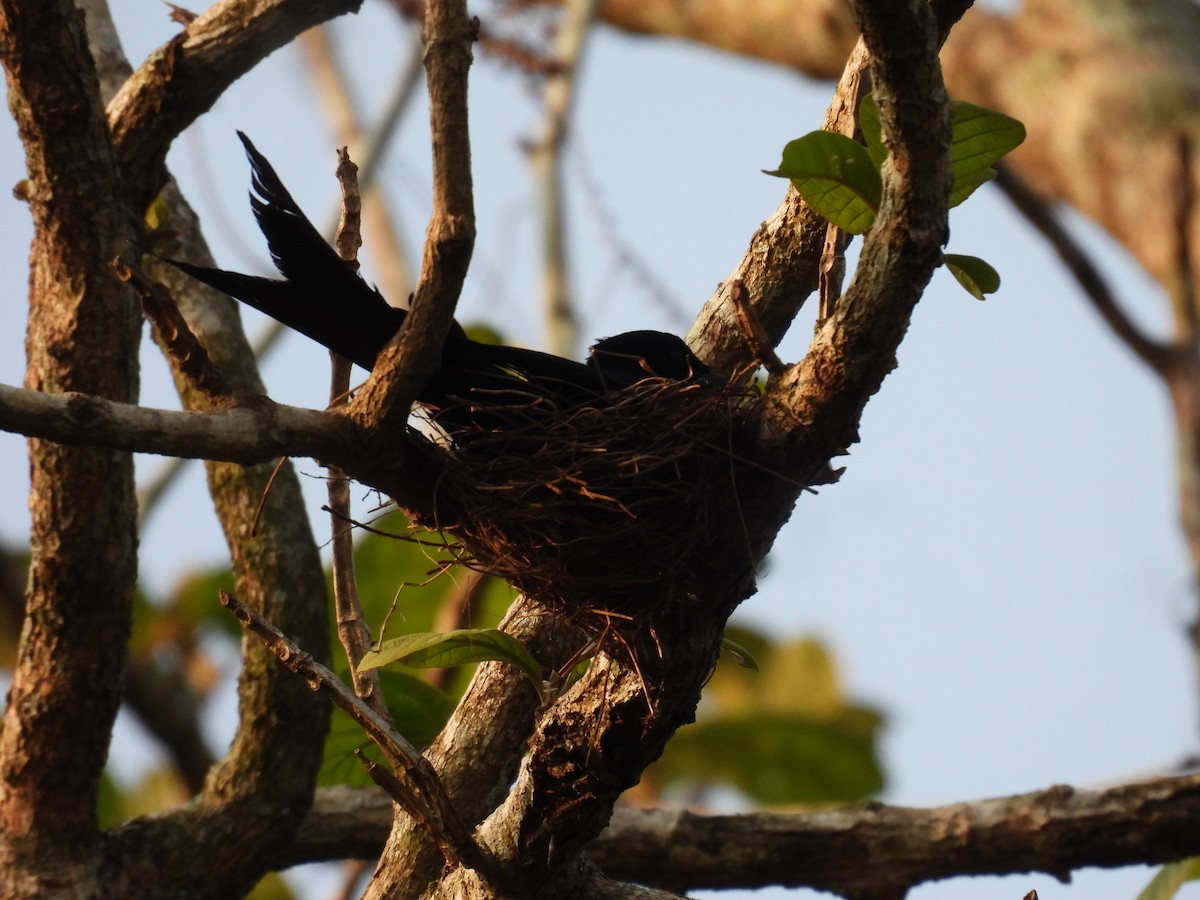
x=321, y=297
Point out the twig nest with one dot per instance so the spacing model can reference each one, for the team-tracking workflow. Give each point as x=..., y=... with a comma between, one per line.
x=601, y=508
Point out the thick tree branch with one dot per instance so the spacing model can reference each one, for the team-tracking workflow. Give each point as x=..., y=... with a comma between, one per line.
x=183, y=78
x=251, y=800
x=817, y=405
x=847, y=851
x=867, y=852
x=82, y=335
x=477, y=753
x=259, y=432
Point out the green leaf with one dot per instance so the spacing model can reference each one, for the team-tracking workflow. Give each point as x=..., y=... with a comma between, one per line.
x=740, y=654
x=980, y=137
x=974, y=274
x=1170, y=878
x=963, y=189
x=454, y=648
x=272, y=886
x=835, y=176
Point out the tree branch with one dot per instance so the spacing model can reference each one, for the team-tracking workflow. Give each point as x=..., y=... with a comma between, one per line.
x=477, y=753
x=415, y=353
x=66, y=683
x=417, y=786
x=259, y=432
x=815, y=408
x=861, y=852
x=847, y=851
x=183, y=78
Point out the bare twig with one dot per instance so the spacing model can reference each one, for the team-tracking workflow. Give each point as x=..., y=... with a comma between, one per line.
x=415, y=784
x=346, y=121
x=172, y=331
x=352, y=629
x=845, y=122
x=524, y=57
x=1182, y=292
x=348, y=238
x=752, y=328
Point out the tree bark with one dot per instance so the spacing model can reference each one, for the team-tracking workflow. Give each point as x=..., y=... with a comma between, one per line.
x=82, y=336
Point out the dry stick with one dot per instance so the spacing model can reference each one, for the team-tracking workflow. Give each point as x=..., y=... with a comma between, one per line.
x=413, y=784
x=352, y=629
x=1041, y=216
x=526, y=57
x=752, y=327
x=343, y=112
x=832, y=273
x=172, y=330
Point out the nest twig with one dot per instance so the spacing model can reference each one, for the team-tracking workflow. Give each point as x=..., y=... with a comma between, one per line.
x=599, y=510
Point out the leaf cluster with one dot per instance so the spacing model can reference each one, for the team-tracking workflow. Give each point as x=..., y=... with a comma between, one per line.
x=840, y=177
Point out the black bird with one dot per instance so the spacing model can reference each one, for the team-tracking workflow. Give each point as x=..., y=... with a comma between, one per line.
x=321, y=297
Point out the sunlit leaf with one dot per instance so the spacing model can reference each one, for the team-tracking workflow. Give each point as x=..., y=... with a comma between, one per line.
x=965, y=187
x=454, y=648
x=980, y=138
x=974, y=274
x=835, y=176
x=272, y=886
x=740, y=654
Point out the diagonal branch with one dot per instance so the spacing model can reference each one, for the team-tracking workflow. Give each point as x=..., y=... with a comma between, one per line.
x=183, y=79
x=417, y=786
x=815, y=408
x=415, y=353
